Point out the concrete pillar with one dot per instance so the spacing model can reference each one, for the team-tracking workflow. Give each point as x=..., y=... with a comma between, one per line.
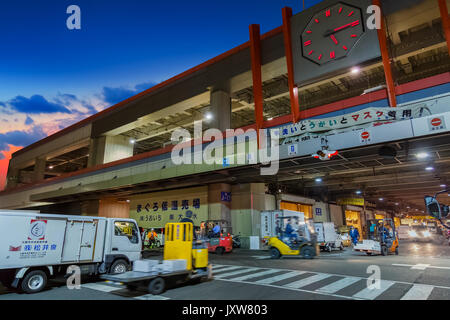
x=221, y=110
x=39, y=169
x=219, y=208
x=108, y=149
x=12, y=177
x=90, y=207
x=248, y=200
x=112, y=208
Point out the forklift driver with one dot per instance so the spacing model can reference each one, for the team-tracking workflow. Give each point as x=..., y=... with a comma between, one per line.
x=290, y=232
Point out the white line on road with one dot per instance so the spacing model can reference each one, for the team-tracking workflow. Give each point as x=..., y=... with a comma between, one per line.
x=371, y=294
x=151, y=297
x=419, y=266
x=228, y=268
x=338, y=285
x=100, y=287
x=256, y=275
x=280, y=277
x=232, y=273
x=418, y=292
x=307, y=281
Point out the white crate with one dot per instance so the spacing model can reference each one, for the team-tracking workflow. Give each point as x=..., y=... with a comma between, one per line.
x=171, y=266
x=144, y=265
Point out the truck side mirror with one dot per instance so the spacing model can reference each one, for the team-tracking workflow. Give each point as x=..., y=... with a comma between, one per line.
x=434, y=208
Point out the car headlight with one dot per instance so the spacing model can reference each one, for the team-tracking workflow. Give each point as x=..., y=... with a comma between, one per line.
x=412, y=233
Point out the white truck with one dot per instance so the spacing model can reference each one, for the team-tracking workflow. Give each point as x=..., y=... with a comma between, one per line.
x=327, y=237
x=37, y=246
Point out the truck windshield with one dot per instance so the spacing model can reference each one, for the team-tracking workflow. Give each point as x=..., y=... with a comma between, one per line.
x=126, y=229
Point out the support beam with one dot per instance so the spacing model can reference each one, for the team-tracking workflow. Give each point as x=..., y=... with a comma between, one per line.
x=386, y=59
x=255, y=49
x=445, y=21
x=293, y=90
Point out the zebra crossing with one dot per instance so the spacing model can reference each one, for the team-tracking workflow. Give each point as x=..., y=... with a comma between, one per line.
x=347, y=287
x=120, y=289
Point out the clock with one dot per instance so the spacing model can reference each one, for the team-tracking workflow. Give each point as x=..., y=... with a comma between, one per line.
x=332, y=33
x=330, y=38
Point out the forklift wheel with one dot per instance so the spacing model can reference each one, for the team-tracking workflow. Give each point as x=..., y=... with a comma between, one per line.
x=307, y=252
x=384, y=250
x=132, y=287
x=156, y=286
x=275, y=253
x=220, y=250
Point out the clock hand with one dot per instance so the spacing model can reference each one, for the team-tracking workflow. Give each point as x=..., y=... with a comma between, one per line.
x=351, y=24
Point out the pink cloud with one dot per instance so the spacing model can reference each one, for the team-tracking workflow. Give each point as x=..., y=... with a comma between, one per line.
x=4, y=164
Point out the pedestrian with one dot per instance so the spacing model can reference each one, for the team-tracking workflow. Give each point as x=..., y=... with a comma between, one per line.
x=354, y=234
x=216, y=230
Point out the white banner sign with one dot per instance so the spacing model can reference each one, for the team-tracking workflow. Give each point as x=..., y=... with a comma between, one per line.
x=357, y=118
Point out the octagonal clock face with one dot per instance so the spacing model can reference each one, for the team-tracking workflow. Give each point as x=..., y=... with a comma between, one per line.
x=332, y=33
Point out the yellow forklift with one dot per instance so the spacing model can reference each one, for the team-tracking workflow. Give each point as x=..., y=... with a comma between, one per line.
x=383, y=238
x=294, y=237
x=185, y=259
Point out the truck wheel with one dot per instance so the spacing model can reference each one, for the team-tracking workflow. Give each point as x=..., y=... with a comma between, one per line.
x=341, y=247
x=384, y=250
x=307, y=252
x=156, y=286
x=220, y=250
x=329, y=249
x=119, y=266
x=275, y=253
x=35, y=281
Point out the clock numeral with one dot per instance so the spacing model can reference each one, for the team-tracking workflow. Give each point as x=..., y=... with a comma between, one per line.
x=353, y=36
x=345, y=48
x=332, y=54
x=311, y=52
x=354, y=24
x=309, y=31
x=320, y=57
x=340, y=10
x=328, y=13
x=307, y=43
x=317, y=20
x=351, y=13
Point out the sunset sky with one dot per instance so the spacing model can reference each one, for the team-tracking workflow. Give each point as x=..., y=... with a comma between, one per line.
x=52, y=77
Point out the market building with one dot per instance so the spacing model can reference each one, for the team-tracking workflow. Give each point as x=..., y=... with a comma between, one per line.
x=373, y=103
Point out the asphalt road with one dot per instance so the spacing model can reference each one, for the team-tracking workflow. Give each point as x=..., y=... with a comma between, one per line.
x=419, y=272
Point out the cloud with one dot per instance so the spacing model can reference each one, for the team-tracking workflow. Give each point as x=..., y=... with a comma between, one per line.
x=36, y=104
x=28, y=121
x=21, y=138
x=115, y=95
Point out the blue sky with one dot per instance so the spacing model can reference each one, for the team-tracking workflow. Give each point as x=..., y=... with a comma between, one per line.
x=52, y=77
x=121, y=43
